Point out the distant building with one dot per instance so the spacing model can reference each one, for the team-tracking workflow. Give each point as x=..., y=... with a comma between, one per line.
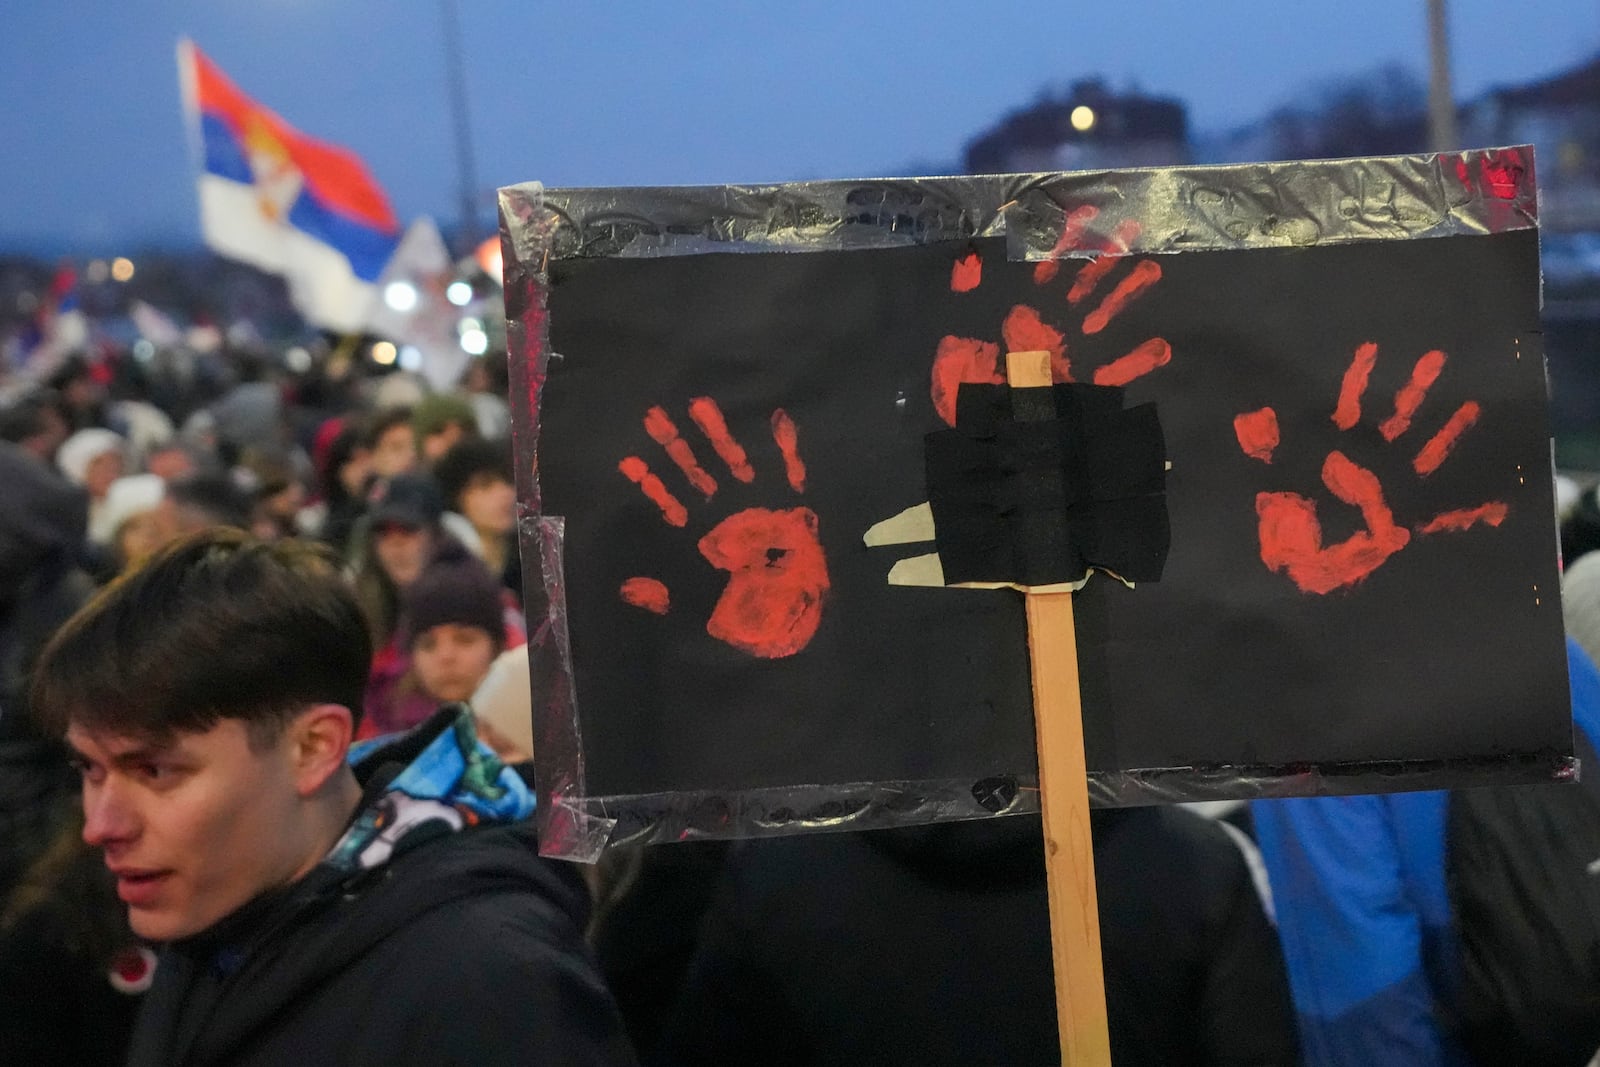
x=1560, y=117
x=1378, y=112
x=1088, y=128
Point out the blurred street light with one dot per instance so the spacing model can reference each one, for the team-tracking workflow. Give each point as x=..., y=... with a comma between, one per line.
x=122, y=268
x=459, y=294
x=1083, y=118
x=400, y=296
x=383, y=352
x=474, y=341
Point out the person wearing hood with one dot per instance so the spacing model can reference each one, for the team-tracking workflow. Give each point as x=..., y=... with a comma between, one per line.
x=314, y=903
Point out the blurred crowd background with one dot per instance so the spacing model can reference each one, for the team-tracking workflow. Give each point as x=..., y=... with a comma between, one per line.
x=151, y=385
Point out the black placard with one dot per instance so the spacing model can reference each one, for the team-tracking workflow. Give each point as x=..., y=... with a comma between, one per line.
x=1448, y=649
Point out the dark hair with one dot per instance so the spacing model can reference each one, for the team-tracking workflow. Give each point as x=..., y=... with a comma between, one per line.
x=214, y=498
x=216, y=625
x=24, y=417
x=341, y=444
x=472, y=457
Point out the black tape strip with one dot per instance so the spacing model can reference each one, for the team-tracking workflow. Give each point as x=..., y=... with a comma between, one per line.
x=1036, y=486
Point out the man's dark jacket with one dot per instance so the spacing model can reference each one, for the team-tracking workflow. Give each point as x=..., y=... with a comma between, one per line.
x=931, y=945
x=463, y=949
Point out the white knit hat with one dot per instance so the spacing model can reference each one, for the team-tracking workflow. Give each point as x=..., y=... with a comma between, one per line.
x=127, y=497
x=80, y=450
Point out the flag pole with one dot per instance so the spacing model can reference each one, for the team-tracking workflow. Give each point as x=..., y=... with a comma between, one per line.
x=455, y=63
x=1441, y=97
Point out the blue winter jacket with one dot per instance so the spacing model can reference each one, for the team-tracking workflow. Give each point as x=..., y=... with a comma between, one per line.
x=1364, y=913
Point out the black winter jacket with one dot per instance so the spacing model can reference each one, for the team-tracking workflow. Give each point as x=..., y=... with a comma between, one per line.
x=931, y=945
x=463, y=950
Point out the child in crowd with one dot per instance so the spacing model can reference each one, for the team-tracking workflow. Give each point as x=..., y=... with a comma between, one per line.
x=455, y=625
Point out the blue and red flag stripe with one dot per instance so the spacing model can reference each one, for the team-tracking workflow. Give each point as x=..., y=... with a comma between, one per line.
x=339, y=203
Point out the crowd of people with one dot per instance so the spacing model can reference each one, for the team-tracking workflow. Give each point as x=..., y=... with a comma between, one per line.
x=266, y=794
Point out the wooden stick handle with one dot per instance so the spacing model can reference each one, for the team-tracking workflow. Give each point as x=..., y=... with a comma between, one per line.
x=1068, y=847
x=1064, y=801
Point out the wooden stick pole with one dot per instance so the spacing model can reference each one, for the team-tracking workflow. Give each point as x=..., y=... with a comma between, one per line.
x=1064, y=801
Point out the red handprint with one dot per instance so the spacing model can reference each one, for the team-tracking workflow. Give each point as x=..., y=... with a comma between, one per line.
x=1288, y=528
x=966, y=359
x=777, y=574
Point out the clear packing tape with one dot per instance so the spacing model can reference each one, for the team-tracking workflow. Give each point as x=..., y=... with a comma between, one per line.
x=1155, y=211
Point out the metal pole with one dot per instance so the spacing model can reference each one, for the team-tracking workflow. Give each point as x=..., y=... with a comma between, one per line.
x=1441, y=98
x=468, y=237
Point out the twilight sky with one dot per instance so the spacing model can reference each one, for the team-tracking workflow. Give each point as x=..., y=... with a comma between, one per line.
x=633, y=92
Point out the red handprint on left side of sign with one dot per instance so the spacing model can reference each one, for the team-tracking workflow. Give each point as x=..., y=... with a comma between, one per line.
x=777, y=573
x=1288, y=528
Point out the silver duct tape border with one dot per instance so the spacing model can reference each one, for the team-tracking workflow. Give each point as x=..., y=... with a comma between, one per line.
x=1194, y=208
x=580, y=828
x=1148, y=211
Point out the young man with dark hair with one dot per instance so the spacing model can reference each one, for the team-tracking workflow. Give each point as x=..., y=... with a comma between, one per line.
x=316, y=905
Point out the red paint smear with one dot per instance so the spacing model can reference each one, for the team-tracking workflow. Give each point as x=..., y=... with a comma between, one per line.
x=788, y=438
x=1291, y=536
x=638, y=472
x=533, y=323
x=1136, y=364
x=1502, y=172
x=708, y=416
x=1493, y=513
x=1412, y=394
x=1257, y=432
x=1024, y=331
x=647, y=593
x=961, y=359
x=1112, y=251
x=778, y=578
x=1145, y=273
x=1348, y=413
x=659, y=425
x=1439, y=447
x=966, y=274
x=1071, y=231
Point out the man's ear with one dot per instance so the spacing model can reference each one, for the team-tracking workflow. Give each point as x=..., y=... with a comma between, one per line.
x=319, y=738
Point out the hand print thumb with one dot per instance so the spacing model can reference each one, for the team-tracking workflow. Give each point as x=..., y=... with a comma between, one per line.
x=1288, y=528
x=778, y=580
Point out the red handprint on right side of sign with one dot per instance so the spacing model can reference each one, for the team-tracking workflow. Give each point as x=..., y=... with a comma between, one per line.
x=1290, y=533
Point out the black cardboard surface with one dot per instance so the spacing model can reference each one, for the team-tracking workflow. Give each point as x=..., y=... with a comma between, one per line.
x=1449, y=651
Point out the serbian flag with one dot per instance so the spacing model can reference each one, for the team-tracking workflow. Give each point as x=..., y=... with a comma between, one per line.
x=285, y=202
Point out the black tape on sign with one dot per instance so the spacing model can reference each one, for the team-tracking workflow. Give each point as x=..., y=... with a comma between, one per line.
x=1036, y=486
